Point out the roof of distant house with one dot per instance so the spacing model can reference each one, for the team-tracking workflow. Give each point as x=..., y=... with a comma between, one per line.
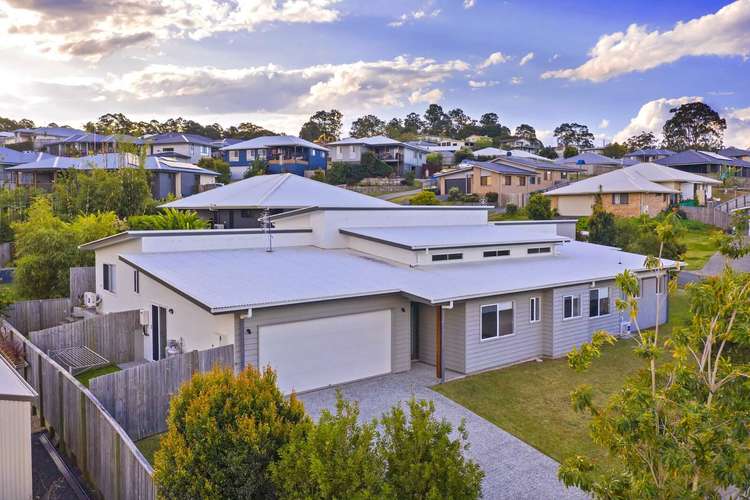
x=589, y=158
x=88, y=137
x=734, y=152
x=277, y=191
x=51, y=131
x=536, y=164
x=227, y=141
x=693, y=157
x=661, y=173
x=270, y=141
x=12, y=157
x=491, y=166
x=7, y=134
x=651, y=152
x=377, y=140
x=109, y=161
x=623, y=180
x=175, y=138
x=489, y=152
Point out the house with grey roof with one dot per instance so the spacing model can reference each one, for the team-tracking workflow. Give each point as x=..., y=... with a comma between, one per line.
x=404, y=157
x=736, y=153
x=188, y=147
x=332, y=295
x=706, y=163
x=40, y=136
x=281, y=154
x=648, y=154
x=595, y=163
x=87, y=144
x=11, y=158
x=7, y=138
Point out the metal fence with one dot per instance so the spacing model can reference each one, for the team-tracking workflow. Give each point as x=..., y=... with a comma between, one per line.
x=116, y=336
x=83, y=429
x=138, y=398
x=82, y=279
x=31, y=315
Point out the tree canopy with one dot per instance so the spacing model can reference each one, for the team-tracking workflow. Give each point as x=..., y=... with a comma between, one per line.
x=323, y=126
x=644, y=140
x=367, y=126
x=574, y=134
x=694, y=125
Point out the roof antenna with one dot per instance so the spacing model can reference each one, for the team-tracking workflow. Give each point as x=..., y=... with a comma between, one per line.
x=265, y=219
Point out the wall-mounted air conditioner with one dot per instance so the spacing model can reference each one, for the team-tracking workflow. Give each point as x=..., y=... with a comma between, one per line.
x=90, y=300
x=218, y=226
x=145, y=317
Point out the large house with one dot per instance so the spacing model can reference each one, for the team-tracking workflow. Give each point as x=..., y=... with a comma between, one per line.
x=648, y=154
x=188, y=147
x=11, y=158
x=40, y=136
x=86, y=144
x=705, y=162
x=241, y=204
x=644, y=188
x=595, y=163
x=521, y=143
x=168, y=177
x=281, y=153
x=332, y=295
x=736, y=153
x=402, y=156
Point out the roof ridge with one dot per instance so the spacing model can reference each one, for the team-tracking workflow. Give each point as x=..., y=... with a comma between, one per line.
x=276, y=186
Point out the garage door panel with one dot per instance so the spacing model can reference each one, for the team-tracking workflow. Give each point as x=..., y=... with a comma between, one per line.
x=317, y=353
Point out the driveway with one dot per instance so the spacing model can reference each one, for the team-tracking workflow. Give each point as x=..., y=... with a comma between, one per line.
x=399, y=194
x=513, y=469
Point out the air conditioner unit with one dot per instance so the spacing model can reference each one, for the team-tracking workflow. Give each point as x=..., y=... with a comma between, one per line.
x=145, y=317
x=625, y=329
x=218, y=226
x=90, y=300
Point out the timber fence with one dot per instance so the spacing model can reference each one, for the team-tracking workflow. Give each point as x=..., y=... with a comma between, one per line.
x=82, y=279
x=32, y=315
x=709, y=215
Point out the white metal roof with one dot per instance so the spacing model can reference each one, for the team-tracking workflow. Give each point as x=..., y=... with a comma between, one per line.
x=12, y=385
x=277, y=191
x=489, y=151
x=660, y=173
x=434, y=237
x=270, y=141
x=618, y=181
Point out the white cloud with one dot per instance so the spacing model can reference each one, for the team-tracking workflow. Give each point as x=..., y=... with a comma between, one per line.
x=528, y=57
x=652, y=116
x=482, y=84
x=91, y=29
x=738, y=128
x=494, y=58
x=554, y=57
x=723, y=33
x=604, y=123
x=414, y=16
x=516, y=80
x=468, y=4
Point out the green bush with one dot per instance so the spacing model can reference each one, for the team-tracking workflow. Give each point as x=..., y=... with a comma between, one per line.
x=424, y=198
x=219, y=166
x=168, y=219
x=454, y=194
x=601, y=224
x=319, y=175
x=470, y=198
x=539, y=207
x=257, y=167
x=511, y=209
x=409, y=179
x=491, y=197
x=223, y=433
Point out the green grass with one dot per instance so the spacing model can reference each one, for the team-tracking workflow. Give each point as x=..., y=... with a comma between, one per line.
x=520, y=215
x=86, y=376
x=700, y=244
x=532, y=400
x=148, y=446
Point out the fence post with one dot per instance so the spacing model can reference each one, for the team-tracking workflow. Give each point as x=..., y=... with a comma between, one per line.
x=61, y=409
x=193, y=362
x=41, y=388
x=83, y=459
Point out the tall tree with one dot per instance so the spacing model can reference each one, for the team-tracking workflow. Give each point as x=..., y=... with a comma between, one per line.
x=395, y=129
x=327, y=124
x=694, y=125
x=462, y=125
x=526, y=131
x=367, y=126
x=615, y=150
x=9, y=124
x=436, y=121
x=548, y=152
x=574, y=134
x=413, y=123
x=644, y=140
x=489, y=125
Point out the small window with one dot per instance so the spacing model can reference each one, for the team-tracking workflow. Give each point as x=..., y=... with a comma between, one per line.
x=447, y=256
x=496, y=320
x=234, y=155
x=108, y=276
x=598, y=302
x=620, y=199
x=538, y=250
x=168, y=150
x=136, y=281
x=563, y=175
x=535, y=309
x=571, y=307
x=497, y=253
x=547, y=175
x=661, y=282
x=484, y=180
x=522, y=181
x=533, y=180
x=246, y=214
x=508, y=180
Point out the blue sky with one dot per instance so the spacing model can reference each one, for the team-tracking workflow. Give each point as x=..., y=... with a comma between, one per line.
x=615, y=66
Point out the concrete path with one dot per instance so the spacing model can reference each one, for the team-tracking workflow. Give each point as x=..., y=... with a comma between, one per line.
x=713, y=267
x=399, y=194
x=513, y=469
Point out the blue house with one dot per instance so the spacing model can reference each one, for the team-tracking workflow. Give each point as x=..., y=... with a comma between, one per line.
x=282, y=154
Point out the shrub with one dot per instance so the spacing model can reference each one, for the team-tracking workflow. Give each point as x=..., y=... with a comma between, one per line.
x=424, y=198
x=470, y=198
x=223, y=433
x=257, y=167
x=539, y=207
x=409, y=179
x=491, y=197
x=601, y=224
x=511, y=209
x=170, y=218
x=454, y=194
x=219, y=166
x=319, y=175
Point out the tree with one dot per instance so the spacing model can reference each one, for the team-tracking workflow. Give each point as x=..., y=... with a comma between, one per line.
x=615, y=150
x=463, y=154
x=394, y=129
x=257, y=167
x=338, y=173
x=694, y=125
x=601, y=224
x=424, y=198
x=482, y=142
x=548, y=152
x=326, y=124
x=489, y=125
x=434, y=161
x=462, y=125
x=574, y=134
x=436, y=121
x=639, y=235
x=223, y=433
x=219, y=166
x=8, y=124
x=168, y=219
x=539, y=207
x=570, y=151
x=525, y=131
x=367, y=126
x=413, y=123
x=644, y=140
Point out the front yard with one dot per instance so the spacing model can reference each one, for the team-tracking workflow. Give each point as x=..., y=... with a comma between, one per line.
x=531, y=400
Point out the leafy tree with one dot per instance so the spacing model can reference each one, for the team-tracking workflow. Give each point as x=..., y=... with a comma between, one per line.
x=436, y=121
x=462, y=125
x=462, y=154
x=319, y=175
x=644, y=140
x=489, y=125
x=374, y=167
x=601, y=224
x=639, y=235
x=169, y=218
x=615, y=150
x=454, y=194
x=525, y=131
x=539, y=207
x=136, y=194
x=338, y=173
x=367, y=126
x=8, y=124
x=574, y=134
x=569, y=151
x=257, y=167
x=92, y=227
x=323, y=126
x=223, y=433
x=219, y=166
x=311, y=131
x=548, y=152
x=482, y=142
x=735, y=244
x=434, y=161
x=413, y=123
x=424, y=198
x=395, y=129
x=246, y=131
x=694, y=125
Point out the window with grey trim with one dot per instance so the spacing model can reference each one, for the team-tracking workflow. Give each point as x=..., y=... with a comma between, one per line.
x=442, y=257
x=496, y=253
x=620, y=198
x=108, y=277
x=496, y=320
x=571, y=306
x=538, y=250
x=535, y=309
x=598, y=302
x=136, y=281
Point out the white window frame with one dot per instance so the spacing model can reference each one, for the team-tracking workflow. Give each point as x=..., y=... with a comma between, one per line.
x=111, y=272
x=617, y=198
x=599, y=302
x=499, y=306
x=234, y=155
x=572, y=297
x=661, y=290
x=535, y=309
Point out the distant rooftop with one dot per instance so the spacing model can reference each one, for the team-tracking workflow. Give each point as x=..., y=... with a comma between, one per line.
x=378, y=140
x=110, y=161
x=12, y=157
x=51, y=131
x=693, y=157
x=650, y=152
x=175, y=138
x=623, y=180
x=589, y=158
x=270, y=141
x=87, y=137
x=491, y=166
x=733, y=152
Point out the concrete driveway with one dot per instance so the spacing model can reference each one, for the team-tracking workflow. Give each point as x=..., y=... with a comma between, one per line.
x=513, y=469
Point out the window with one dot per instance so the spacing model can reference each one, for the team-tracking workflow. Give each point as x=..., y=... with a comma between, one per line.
x=538, y=250
x=571, y=306
x=496, y=320
x=620, y=198
x=234, y=155
x=447, y=256
x=535, y=309
x=108, y=275
x=338, y=150
x=508, y=180
x=484, y=180
x=497, y=253
x=547, y=175
x=250, y=154
x=261, y=153
x=246, y=214
x=533, y=180
x=563, y=175
x=522, y=181
x=136, y=281
x=167, y=150
x=598, y=302
x=661, y=282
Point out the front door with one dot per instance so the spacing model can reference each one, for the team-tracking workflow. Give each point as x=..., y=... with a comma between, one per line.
x=414, y=331
x=158, y=332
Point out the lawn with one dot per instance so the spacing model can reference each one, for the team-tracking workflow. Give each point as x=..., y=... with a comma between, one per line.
x=148, y=446
x=531, y=400
x=701, y=246
x=86, y=376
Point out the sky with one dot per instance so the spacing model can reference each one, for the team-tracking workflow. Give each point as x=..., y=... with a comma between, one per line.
x=617, y=67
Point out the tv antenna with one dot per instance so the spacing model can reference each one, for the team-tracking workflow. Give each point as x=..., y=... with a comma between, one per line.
x=265, y=220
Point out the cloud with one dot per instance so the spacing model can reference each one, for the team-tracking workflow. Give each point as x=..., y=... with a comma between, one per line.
x=468, y=4
x=414, y=16
x=494, y=58
x=482, y=84
x=528, y=57
x=516, y=80
x=91, y=29
x=428, y=97
x=724, y=33
x=738, y=128
x=604, y=123
x=652, y=116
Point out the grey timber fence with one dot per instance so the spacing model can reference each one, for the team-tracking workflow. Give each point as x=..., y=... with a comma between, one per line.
x=82, y=279
x=83, y=429
x=709, y=215
x=138, y=398
x=31, y=315
x=116, y=336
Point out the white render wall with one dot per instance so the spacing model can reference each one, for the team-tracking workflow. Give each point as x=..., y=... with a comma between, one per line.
x=15, y=450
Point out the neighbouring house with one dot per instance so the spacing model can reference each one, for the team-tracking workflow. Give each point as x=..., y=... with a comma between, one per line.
x=447, y=154
x=402, y=156
x=489, y=152
x=15, y=432
x=87, y=144
x=521, y=143
x=7, y=138
x=515, y=153
x=40, y=136
x=282, y=154
x=168, y=177
x=595, y=163
x=648, y=155
x=644, y=188
x=221, y=143
x=11, y=158
x=332, y=295
x=706, y=162
x=736, y=153
x=443, y=141
x=189, y=147
x=472, y=140
x=241, y=204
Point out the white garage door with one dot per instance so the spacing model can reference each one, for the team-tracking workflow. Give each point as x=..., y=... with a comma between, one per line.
x=317, y=353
